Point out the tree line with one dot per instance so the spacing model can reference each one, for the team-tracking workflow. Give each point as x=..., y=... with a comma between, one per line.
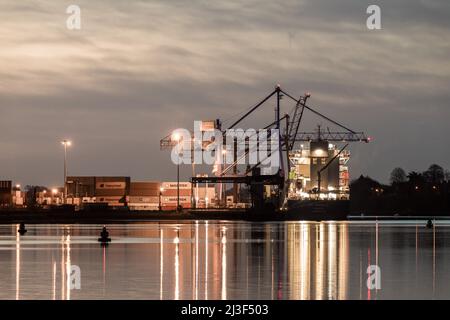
x=412, y=193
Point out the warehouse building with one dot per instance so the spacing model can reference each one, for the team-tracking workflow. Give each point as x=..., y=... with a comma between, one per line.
x=204, y=196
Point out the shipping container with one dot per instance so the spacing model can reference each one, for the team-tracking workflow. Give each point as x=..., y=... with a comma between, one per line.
x=173, y=185
x=144, y=188
x=174, y=193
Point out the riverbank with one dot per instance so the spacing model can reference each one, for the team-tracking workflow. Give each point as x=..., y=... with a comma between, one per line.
x=119, y=216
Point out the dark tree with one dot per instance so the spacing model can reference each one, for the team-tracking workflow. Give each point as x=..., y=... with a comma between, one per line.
x=415, y=178
x=434, y=174
x=398, y=175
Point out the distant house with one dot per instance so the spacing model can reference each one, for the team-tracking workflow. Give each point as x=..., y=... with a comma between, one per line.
x=363, y=194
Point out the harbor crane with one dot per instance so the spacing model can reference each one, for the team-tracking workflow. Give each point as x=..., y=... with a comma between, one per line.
x=288, y=128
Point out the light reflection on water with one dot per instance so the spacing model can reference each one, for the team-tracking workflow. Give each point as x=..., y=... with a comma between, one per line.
x=227, y=260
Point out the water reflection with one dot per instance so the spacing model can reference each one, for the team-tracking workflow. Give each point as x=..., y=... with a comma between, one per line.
x=224, y=260
x=17, y=263
x=317, y=261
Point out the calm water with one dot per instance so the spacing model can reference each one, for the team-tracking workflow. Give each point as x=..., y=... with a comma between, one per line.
x=226, y=260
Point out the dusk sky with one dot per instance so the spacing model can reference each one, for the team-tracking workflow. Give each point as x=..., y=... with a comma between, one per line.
x=139, y=69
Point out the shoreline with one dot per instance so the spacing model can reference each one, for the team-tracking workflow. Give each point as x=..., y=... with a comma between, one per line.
x=112, y=216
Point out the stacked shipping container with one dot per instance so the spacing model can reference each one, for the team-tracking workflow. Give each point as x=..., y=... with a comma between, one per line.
x=169, y=195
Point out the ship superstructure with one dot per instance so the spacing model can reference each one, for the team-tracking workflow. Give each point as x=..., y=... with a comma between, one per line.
x=310, y=159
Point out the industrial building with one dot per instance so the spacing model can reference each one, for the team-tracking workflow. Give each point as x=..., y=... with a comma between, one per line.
x=11, y=195
x=204, y=196
x=50, y=197
x=18, y=197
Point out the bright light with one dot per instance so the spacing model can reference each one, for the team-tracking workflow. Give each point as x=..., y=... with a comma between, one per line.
x=330, y=188
x=319, y=152
x=224, y=151
x=45, y=191
x=176, y=136
x=304, y=195
x=18, y=186
x=66, y=143
x=54, y=191
x=161, y=189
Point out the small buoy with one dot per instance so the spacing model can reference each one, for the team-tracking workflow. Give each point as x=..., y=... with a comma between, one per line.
x=104, y=236
x=429, y=223
x=22, y=229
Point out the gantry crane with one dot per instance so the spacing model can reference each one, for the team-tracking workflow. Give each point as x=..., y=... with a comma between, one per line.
x=289, y=132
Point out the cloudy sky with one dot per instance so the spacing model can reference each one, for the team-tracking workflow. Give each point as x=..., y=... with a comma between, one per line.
x=138, y=69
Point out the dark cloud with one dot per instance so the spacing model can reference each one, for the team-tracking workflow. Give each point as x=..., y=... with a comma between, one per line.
x=139, y=69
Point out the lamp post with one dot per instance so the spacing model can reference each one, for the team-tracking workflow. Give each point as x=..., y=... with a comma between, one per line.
x=65, y=143
x=222, y=191
x=194, y=195
x=161, y=189
x=43, y=201
x=54, y=192
x=178, y=186
x=176, y=137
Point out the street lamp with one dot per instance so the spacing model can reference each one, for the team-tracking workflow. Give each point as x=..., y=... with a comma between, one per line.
x=54, y=192
x=65, y=143
x=161, y=190
x=176, y=137
x=222, y=191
